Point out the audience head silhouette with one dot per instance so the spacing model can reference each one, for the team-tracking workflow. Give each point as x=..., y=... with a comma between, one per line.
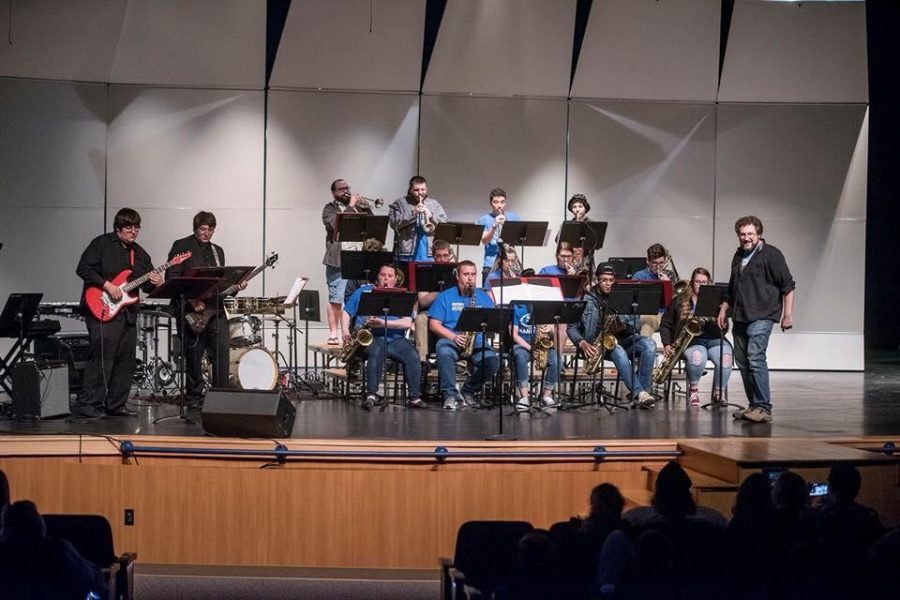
x=754, y=497
x=606, y=501
x=790, y=492
x=672, y=498
x=21, y=520
x=844, y=482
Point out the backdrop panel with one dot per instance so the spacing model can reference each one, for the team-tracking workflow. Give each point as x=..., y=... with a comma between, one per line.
x=317, y=137
x=347, y=44
x=650, y=50
x=796, y=52
x=197, y=43
x=802, y=171
x=60, y=39
x=503, y=47
x=472, y=145
x=647, y=169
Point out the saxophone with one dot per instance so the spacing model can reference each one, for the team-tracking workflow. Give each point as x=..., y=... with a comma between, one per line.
x=692, y=328
x=540, y=348
x=469, y=346
x=605, y=342
x=361, y=338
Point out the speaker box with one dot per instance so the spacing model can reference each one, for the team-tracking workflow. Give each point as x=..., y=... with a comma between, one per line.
x=248, y=413
x=40, y=392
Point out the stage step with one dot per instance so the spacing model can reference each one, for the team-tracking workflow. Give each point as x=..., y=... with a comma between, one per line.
x=636, y=497
x=700, y=481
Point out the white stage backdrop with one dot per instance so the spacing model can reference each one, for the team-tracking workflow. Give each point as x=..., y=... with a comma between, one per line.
x=661, y=152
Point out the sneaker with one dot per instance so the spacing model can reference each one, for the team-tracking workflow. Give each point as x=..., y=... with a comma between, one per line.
x=739, y=413
x=645, y=400
x=450, y=403
x=548, y=402
x=694, y=399
x=758, y=415
x=467, y=400
x=522, y=405
x=369, y=402
x=417, y=403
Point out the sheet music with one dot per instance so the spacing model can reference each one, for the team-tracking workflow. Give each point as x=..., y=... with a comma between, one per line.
x=298, y=286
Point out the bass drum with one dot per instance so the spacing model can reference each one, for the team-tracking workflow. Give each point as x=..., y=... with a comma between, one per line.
x=253, y=369
x=243, y=331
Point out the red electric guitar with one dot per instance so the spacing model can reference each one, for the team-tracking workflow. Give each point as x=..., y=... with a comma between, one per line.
x=105, y=308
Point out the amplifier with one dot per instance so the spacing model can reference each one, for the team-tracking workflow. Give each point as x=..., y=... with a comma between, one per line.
x=40, y=391
x=71, y=348
x=248, y=413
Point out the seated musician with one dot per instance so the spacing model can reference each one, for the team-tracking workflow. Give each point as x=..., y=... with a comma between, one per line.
x=395, y=346
x=511, y=267
x=565, y=261
x=442, y=253
x=443, y=317
x=658, y=263
x=523, y=334
x=703, y=347
x=587, y=336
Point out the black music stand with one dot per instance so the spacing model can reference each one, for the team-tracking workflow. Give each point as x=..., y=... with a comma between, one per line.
x=435, y=277
x=626, y=267
x=461, y=234
x=553, y=312
x=484, y=321
x=15, y=321
x=358, y=227
x=363, y=265
x=709, y=301
x=587, y=235
x=386, y=304
x=634, y=301
x=307, y=307
x=523, y=233
x=183, y=289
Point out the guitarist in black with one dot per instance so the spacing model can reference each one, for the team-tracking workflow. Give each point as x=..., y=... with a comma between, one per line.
x=213, y=340
x=110, y=368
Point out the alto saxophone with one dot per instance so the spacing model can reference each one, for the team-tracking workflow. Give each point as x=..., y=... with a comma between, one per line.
x=605, y=342
x=361, y=338
x=469, y=345
x=540, y=349
x=692, y=328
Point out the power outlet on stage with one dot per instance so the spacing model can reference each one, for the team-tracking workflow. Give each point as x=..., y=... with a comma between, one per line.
x=129, y=516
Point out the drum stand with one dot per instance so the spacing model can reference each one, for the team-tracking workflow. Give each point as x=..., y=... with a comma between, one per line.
x=151, y=373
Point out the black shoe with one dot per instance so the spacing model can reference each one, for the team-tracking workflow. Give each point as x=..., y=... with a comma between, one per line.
x=81, y=417
x=121, y=412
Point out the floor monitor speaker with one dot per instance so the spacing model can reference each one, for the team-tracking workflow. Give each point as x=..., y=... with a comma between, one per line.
x=40, y=391
x=248, y=413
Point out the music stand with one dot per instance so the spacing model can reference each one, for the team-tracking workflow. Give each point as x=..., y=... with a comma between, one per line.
x=523, y=233
x=183, y=289
x=307, y=306
x=386, y=304
x=465, y=234
x=358, y=227
x=587, y=235
x=227, y=276
x=363, y=265
x=626, y=267
x=484, y=321
x=434, y=277
x=634, y=301
x=709, y=301
x=15, y=321
x=555, y=312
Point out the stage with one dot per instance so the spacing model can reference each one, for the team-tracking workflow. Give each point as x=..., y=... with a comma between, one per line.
x=355, y=489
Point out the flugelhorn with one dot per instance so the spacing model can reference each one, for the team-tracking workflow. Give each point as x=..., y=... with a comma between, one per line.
x=422, y=221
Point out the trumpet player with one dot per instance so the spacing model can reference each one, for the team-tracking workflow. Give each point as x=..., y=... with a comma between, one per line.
x=586, y=333
x=443, y=316
x=524, y=335
x=342, y=201
x=391, y=344
x=493, y=224
x=565, y=261
x=659, y=268
x=413, y=219
x=703, y=347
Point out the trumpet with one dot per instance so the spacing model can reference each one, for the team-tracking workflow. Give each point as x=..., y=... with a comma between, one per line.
x=363, y=202
x=422, y=221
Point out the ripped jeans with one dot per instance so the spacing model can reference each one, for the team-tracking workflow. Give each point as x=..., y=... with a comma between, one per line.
x=703, y=349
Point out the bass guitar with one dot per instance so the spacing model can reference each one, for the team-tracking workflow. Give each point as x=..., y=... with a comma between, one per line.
x=103, y=307
x=198, y=321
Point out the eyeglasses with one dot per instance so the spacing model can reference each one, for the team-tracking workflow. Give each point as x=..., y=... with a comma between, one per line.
x=131, y=228
x=342, y=188
x=205, y=229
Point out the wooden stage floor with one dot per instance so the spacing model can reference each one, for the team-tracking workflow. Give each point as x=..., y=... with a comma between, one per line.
x=807, y=404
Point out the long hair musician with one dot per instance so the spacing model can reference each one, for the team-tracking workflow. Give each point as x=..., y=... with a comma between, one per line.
x=507, y=266
x=699, y=348
x=394, y=345
x=534, y=343
x=599, y=323
x=443, y=316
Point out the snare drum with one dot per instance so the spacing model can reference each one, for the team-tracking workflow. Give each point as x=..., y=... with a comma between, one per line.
x=253, y=369
x=243, y=331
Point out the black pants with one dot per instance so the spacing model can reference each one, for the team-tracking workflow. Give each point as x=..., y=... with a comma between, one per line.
x=213, y=341
x=110, y=368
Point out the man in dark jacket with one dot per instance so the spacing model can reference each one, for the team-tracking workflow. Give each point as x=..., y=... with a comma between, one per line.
x=760, y=294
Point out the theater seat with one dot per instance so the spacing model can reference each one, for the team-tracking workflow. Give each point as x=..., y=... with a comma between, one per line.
x=484, y=556
x=92, y=537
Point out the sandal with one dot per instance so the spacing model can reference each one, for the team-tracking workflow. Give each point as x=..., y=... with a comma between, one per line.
x=333, y=341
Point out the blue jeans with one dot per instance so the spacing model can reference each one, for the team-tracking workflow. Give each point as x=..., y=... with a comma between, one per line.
x=644, y=353
x=403, y=352
x=750, y=343
x=704, y=349
x=522, y=357
x=482, y=366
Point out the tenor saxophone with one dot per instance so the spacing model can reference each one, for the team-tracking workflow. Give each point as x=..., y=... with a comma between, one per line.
x=540, y=349
x=361, y=338
x=605, y=342
x=469, y=346
x=692, y=328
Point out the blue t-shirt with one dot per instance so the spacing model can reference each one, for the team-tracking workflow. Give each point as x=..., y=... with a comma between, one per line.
x=450, y=303
x=492, y=248
x=522, y=318
x=352, y=305
x=552, y=270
